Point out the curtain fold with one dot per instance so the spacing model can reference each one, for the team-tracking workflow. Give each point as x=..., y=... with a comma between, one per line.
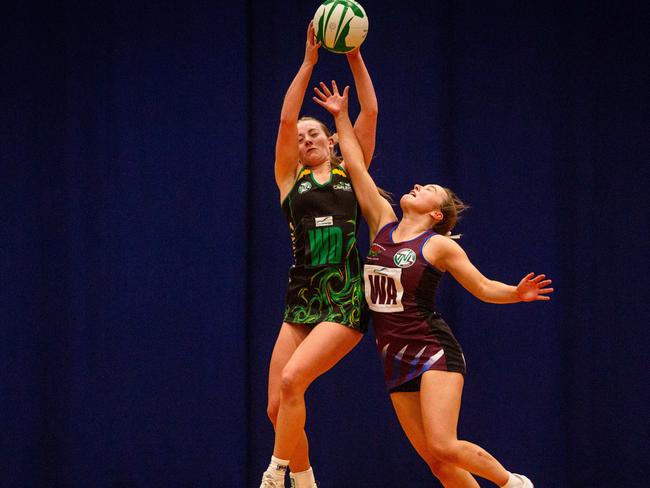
x=145, y=257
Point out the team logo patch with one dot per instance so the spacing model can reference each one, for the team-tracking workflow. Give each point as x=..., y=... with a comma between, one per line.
x=404, y=257
x=375, y=251
x=343, y=185
x=304, y=186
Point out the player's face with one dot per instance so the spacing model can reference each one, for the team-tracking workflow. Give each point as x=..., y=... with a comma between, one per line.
x=423, y=198
x=314, y=146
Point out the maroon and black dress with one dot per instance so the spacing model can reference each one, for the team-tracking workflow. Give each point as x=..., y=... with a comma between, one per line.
x=400, y=287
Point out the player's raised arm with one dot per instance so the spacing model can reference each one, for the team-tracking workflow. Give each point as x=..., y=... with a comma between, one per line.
x=286, y=146
x=376, y=208
x=365, y=127
x=348, y=41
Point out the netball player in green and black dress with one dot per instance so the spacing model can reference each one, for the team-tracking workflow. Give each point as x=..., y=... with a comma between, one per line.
x=325, y=283
x=423, y=364
x=323, y=318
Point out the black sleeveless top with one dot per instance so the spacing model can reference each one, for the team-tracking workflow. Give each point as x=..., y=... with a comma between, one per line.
x=325, y=282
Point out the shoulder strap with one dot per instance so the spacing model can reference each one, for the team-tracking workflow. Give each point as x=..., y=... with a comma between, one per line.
x=386, y=229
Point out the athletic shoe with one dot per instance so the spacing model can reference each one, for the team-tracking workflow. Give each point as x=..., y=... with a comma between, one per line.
x=270, y=481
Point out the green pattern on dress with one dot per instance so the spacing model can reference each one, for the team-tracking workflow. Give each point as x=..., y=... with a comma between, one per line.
x=334, y=289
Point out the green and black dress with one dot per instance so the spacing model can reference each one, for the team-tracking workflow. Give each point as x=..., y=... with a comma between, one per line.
x=325, y=282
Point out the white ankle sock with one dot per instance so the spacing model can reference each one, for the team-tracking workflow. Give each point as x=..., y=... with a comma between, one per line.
x=303, y=479
x=277, y=467
x=513, y=481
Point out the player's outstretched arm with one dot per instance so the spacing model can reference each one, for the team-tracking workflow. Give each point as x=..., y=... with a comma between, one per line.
x=449, y=256
x=286, y=146
x=376, y=209
x=365, y=127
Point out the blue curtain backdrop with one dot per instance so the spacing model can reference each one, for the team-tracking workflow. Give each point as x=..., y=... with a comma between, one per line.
x=144, y=254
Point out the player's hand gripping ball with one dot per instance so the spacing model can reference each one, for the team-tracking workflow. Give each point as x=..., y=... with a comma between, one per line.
x=341, y=25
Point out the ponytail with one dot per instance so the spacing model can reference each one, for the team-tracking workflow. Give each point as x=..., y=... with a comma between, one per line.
x=451, y=209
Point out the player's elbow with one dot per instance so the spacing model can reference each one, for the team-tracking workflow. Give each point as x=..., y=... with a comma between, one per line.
x=482, y=291
x=371, y=109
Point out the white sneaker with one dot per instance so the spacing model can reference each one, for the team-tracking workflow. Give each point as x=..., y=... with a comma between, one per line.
x=525, y=482
x=270, y=481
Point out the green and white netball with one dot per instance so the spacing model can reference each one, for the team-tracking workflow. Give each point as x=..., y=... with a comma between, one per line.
x=340, y=25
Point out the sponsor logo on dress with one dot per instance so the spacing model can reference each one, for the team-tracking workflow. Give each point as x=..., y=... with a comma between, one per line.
x=404, y=257
x=324, y=221
x=304, y=186
x=343, y=185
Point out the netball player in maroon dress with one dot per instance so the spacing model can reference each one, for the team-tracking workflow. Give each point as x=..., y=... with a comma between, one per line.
x=424, y=366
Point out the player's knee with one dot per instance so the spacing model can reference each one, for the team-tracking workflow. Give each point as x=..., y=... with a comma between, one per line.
x=445, y=451
x=435, y=465
x=292, y=383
